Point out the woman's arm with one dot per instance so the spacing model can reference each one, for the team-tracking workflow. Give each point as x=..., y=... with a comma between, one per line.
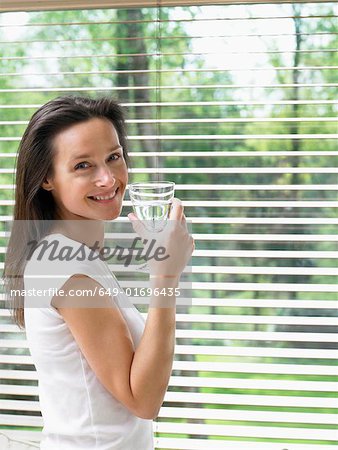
x=138, y=379
x=153, y=359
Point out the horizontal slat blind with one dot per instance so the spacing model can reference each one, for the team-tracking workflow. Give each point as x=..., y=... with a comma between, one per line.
x=237, y=105
x=33, y=5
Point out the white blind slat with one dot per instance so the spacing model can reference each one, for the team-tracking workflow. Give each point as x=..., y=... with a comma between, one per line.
x=217, y=120
x=203, y=413
x=220, y=350
x=30, y=5
x=206, y=334
x=236, y=430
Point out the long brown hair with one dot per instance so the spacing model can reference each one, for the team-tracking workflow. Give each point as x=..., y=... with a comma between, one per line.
x=34, y=164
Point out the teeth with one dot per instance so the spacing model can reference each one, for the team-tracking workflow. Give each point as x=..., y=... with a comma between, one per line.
x=106, y=197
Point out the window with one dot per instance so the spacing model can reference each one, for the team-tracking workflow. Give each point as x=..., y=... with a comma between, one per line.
x=236, y=104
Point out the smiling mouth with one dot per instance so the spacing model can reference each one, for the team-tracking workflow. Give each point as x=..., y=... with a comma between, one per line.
x=104, y=198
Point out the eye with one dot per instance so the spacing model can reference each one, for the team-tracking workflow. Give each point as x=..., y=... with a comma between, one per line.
x=114, y=157
x=81, y=165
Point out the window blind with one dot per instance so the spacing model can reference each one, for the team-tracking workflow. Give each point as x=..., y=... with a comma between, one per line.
x=237, y=105
x=45, y=5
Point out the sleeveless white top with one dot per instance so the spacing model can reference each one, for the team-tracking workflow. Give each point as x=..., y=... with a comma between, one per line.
x=78, y=412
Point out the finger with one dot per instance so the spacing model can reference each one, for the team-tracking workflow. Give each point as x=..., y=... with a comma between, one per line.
x=137, y=225
x=176, y=209
x=184, y=223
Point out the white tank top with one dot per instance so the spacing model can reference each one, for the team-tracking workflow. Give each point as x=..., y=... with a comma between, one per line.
x=78, y=412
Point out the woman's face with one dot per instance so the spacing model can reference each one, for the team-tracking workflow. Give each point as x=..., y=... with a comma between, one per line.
x=90, y=173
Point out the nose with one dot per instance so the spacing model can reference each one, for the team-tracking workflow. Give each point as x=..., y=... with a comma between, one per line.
x=104, y=177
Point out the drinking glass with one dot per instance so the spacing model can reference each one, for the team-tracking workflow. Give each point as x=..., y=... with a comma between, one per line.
x=151, y=203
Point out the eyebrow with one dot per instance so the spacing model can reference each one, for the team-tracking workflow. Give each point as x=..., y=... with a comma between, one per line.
x=84, y=156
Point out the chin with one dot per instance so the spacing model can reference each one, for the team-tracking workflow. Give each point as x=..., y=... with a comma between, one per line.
x=113, y=215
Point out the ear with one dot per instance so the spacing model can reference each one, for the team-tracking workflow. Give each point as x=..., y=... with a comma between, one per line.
x=47, y=185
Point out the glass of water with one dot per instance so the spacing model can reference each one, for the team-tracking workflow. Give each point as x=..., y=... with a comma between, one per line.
x=151, y=202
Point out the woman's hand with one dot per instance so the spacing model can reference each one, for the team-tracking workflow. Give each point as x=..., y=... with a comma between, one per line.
x=175, y=239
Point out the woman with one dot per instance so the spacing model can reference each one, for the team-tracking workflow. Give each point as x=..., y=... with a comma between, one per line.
x=102, y=370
